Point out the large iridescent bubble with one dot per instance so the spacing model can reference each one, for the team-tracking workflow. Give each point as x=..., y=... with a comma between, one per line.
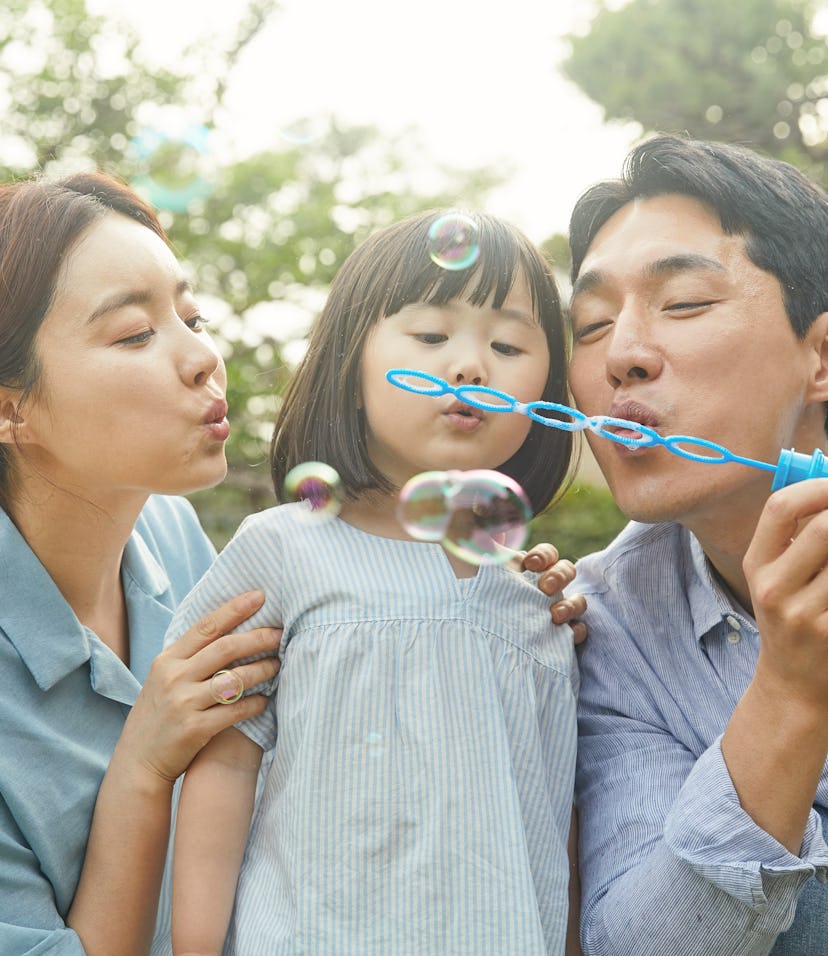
x=318, y=487
x=481, y=516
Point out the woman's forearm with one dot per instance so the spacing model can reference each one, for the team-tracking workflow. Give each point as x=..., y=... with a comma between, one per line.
x=116, y=901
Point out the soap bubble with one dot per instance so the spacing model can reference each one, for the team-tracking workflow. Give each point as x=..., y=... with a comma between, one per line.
x=481, y=516
x=375, y=744
x=318, y=486
x=490, y=514
x=305, y=130
x=423, y=508
x=453, y=241
x=172, y=166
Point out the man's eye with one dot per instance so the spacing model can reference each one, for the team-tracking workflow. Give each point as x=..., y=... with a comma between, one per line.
x=196, y=323
x=589, y=331
x=689, y=306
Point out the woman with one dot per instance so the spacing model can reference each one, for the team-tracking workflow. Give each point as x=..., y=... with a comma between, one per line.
x=111, y=395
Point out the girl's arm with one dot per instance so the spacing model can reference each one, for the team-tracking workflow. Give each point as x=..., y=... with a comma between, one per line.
x=174, y=716
x=211, y=830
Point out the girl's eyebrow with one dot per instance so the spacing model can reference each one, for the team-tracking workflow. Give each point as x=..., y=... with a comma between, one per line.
x=133, y=297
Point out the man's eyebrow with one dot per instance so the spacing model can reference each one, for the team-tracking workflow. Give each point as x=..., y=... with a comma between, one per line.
x=133, y=297
x=686, y=262
x=669, y=265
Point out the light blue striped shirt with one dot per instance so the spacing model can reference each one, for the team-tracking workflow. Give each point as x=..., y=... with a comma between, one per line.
x=420, y=784
x=670, y=863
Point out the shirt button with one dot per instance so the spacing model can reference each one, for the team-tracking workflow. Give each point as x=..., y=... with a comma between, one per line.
x=731, y=620
x=734, y=637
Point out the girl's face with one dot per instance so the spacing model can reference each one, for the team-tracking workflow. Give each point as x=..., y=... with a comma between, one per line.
x=131, y=395
x=464, y=344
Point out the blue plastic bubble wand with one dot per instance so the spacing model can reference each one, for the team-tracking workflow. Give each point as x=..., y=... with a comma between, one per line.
x=792, y=466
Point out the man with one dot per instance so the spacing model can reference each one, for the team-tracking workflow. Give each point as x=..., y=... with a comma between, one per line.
x=700, y=308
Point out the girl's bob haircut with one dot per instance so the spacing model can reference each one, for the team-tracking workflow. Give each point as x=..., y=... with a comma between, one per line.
x=320, y=418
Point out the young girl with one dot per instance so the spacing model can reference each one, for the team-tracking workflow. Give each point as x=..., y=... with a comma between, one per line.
x=422, y=741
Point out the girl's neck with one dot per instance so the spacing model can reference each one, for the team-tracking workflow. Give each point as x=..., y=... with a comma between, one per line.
x=377, y=515
x=81, y=545
x=374, y=513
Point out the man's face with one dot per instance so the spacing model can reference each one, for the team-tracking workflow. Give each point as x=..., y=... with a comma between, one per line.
x=676, y=328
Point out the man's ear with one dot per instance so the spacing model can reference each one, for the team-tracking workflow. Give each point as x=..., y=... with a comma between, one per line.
x=11, y=419
x=817, y=336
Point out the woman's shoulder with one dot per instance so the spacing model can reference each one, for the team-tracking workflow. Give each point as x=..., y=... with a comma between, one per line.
x=168, y=529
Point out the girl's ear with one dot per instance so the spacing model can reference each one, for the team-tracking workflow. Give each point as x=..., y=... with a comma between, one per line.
x=817, y=335
x=11, y=421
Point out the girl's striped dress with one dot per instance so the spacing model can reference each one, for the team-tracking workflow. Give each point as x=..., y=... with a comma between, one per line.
x=420, y=749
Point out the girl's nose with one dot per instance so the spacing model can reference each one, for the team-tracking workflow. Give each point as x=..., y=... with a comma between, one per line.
x=468, y=370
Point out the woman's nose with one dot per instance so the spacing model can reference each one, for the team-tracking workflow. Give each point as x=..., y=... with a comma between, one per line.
x=200, y=359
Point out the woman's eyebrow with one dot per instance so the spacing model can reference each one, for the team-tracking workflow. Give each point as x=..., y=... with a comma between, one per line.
x=132, y=297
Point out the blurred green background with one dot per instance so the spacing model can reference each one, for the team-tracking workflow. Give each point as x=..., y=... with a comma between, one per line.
x=263, y=237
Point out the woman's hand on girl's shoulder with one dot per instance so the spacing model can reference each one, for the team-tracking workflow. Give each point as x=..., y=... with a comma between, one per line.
x=555, y=574
x=176, y=713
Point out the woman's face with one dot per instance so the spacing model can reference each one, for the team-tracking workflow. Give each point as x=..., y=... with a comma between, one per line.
x=131, y=391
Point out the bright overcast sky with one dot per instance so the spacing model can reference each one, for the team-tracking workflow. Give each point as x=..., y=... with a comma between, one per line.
x=477, y=79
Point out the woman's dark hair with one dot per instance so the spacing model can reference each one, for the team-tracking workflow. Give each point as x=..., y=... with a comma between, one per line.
x=40, y=221
x=780, y=213
x=320, y=418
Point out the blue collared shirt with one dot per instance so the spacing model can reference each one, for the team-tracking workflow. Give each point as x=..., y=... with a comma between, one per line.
x=63, y=704
x=670, y=863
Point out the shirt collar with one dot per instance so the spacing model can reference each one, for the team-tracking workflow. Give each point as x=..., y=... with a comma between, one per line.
x=47, y=635
x=708, y=600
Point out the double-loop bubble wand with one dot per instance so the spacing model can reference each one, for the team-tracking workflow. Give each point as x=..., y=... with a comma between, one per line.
x=792, y=466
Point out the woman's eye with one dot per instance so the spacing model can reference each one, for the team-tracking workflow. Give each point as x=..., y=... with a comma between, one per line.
x=196, y=323
x=138, y=339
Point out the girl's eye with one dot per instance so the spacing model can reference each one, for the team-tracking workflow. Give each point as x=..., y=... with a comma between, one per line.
x=196, y=323
x=430, y=338
x=138, y=339
x=504, y=349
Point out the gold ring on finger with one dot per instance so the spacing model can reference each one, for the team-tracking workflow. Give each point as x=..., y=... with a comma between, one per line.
x=226, y=687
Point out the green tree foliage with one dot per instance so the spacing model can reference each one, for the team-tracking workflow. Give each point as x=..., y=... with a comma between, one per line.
x=744, y=71
x=584, y=520
x=268, y=230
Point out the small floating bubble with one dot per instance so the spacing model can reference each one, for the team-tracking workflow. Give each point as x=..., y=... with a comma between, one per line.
x=318, y=486
x=172, y=166
x=453, y=241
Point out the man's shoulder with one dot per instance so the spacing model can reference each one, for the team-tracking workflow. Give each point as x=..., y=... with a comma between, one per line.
x=664, y=546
